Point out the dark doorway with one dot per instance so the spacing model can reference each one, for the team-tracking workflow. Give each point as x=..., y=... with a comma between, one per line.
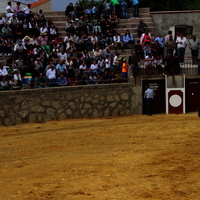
x=159, y=101
x=192, y=95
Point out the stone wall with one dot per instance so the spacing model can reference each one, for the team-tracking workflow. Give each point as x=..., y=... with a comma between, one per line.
x=40, y=105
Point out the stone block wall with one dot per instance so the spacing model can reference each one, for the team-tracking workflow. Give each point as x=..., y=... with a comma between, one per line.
x=40, y=105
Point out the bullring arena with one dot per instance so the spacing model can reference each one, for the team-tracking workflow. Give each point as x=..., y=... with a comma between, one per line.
x=112, y=158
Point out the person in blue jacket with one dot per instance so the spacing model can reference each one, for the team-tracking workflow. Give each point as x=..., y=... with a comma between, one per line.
x=135, y=9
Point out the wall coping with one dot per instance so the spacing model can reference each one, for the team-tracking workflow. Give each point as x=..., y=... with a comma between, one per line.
x=174, y=12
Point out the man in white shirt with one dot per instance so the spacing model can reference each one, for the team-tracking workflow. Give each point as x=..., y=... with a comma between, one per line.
x=9, y=11
x=181, y=45
x=149, y=96
x=51, y=76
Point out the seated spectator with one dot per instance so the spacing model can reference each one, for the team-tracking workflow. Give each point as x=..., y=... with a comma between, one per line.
x=70, y=47
x=41, y=18
x=113, y=19
x=44, y=29
x=9, y=11
x=6, y=32
x=94, y=67
x=146, y=49
x=97, y=27
x=52, y=33
x=61, y=68
x=43, y=42
x=94, y=41
x=19, y=12
x=90, y=26
x=83, y=68
x=82, y=25
x=2, y=22
x=20, y=49
x=79, y=11
x=8, y=46
x=128, y=40
x=3, y=71
x=109, y=37
x=13, y=21
x=62, y=80
x=79, y=43
x=70, y=12
x=97, y=53
x=4, y=84
x=118, y=42
x=87, y=57
x=88, y=12
x=62, y=55
x=101, y=65
x=41, y=81
x=145, y=37
x=33, y=25
x=92, y=78
x=18, y=32
x=102, y=41
x=18, y=78
x=38, y=65
x=70, y=28
x=94, y=12
x=87, y=42
x=2, y=46
x=28, y=12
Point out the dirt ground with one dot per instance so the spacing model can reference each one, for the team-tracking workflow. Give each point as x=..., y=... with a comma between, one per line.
x=126, y=158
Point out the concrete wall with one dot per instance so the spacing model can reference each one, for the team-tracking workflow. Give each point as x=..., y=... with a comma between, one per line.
x=164, y=20
x=40, y=105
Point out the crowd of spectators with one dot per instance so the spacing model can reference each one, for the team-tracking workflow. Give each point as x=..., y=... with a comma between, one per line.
x=34, y=47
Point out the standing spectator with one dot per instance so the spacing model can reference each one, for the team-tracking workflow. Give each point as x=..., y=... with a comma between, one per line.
x=149, y=64
x=161, y=43
x=117, y=7
x=181, y=45
x=125, y=67
x=149, y=96
x=167, y=37
x=158, y=63
x=51, y=76
x=133, y=62
x=135, y=9
x=194, y=47
x=170, y=45
x=123, y=6
x=9, y=11
x=41, y=81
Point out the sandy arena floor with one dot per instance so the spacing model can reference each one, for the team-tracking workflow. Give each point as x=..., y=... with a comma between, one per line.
x=125, y=158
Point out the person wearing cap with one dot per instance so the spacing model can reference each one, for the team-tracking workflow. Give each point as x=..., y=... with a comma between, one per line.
x=9, y=11
x=19, y=49
x=26, y=40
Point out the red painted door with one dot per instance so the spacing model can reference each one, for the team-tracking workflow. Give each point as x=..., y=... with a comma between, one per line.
x=192, y=95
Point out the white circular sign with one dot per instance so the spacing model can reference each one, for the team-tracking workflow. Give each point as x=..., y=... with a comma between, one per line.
x=175, y=100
